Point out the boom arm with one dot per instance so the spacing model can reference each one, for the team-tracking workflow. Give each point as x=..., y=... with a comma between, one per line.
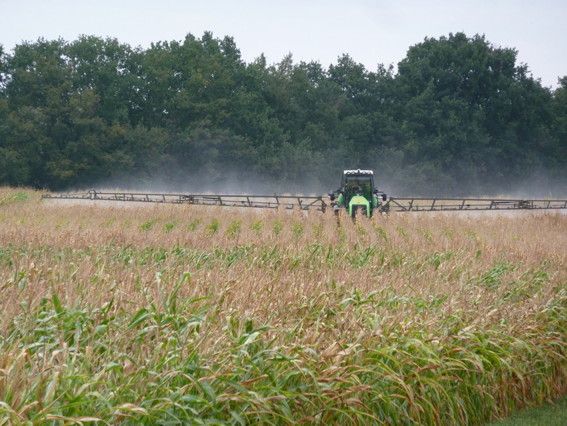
x=415, y=204
x=287, y=202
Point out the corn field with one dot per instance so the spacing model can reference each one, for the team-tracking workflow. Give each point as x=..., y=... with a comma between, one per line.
x=181, y=314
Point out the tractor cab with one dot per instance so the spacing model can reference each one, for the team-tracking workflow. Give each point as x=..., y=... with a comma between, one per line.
x=357, y=193
x=357, y=182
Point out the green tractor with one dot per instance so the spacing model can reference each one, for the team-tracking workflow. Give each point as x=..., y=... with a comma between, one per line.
x=357, y=194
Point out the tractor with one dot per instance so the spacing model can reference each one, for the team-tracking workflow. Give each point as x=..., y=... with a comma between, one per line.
x=357, y=194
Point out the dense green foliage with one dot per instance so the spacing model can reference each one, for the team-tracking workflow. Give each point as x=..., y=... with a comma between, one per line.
x=459, y=115
x=183, y=315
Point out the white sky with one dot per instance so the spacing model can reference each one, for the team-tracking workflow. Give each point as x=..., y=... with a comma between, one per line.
x=371, y=32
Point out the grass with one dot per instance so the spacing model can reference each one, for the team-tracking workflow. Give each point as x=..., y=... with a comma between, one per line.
x=172, y=314
x=548, y=415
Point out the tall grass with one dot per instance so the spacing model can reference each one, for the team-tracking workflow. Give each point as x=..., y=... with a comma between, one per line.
x=174, y=314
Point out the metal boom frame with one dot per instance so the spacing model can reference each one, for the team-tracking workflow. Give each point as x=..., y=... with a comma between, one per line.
x=417, y=204
x=301, y=202
x=275, y=201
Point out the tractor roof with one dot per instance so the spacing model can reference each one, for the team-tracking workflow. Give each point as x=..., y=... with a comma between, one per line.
x=358, y=172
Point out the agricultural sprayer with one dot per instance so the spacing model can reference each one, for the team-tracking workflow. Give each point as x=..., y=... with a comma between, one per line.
x=357, y=196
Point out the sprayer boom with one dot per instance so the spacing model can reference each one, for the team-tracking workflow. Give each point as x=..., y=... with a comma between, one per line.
x=318, y=203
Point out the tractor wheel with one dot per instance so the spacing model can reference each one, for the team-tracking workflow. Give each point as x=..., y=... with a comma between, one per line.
x=354, y=213
x=358, y=211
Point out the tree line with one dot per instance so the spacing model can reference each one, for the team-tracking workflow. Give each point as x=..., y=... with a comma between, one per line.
x=458, y=116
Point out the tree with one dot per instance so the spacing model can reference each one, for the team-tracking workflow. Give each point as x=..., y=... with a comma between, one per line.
x=459, y=116
x=471, y=110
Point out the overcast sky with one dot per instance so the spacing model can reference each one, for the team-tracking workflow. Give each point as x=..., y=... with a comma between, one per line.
x=371, y=32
